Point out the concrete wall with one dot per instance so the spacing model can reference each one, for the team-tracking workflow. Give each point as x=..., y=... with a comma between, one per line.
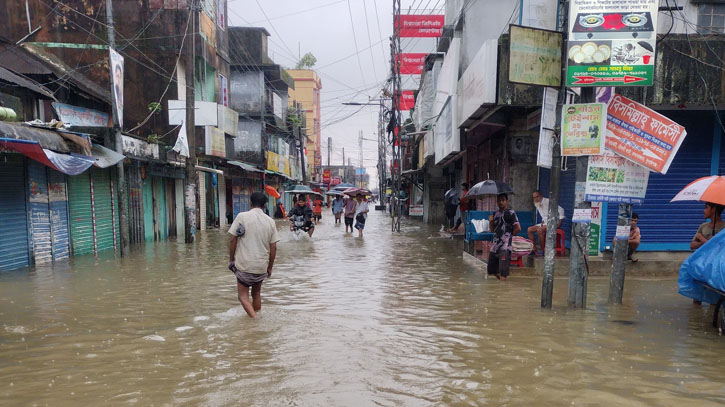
x=435, y=187
x=246, y=90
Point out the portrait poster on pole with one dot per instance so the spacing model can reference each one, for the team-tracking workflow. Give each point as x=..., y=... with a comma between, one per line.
x=583, y=129
x=117, y=84
x=611, y=43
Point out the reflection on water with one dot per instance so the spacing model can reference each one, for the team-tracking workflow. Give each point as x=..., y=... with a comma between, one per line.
x=390, y=320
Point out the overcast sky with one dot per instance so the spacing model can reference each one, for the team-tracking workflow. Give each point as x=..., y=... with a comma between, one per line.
x=330, y=29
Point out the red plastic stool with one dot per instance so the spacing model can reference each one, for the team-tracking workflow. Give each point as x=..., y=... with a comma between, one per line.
x=560, y=243
x=517, y=262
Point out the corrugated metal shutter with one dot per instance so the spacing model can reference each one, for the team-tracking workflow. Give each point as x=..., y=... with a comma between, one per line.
x=38, y=203
x=170, y=186
x=104, y=213
x=180, y=217
x=160, y=213
x=135, y=205
x=202, y=200
x=222, y=188
x=59, y=215
x=14, y=246
x=660, y=221
x=566, y=193
x=81, y=214
x=148, y=210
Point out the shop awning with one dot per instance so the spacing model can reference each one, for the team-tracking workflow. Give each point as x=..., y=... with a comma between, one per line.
x=48, y=139
x=104, y=157
x=10, y=77
x=276, y=173
x=245, y=166
x=207, y=169
x=65, y=163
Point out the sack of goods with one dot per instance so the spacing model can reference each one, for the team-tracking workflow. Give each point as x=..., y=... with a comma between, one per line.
x=521, y=246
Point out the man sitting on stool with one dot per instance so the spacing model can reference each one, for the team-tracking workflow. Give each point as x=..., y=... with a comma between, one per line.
x=542, y=207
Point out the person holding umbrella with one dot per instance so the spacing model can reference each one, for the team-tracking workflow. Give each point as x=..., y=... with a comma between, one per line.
x=713, y=213
x=505, y=225
x=710, y=190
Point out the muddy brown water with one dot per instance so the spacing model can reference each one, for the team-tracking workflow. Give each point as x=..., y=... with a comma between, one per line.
x=387, y=320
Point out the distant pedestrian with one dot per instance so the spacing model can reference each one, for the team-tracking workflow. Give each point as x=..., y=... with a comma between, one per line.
x=279, y=211
x=505, y=225
x=317, y=211
x=361, y=213
x=713, y=213
x=634, y=238
x=463, y=207
x=349, y=208
x=337, y=208
x=252, y=250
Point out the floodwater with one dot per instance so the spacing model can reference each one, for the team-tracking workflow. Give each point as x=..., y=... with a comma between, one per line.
x=387, y=320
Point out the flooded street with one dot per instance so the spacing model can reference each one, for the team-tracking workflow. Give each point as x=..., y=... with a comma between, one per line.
x=388, y=320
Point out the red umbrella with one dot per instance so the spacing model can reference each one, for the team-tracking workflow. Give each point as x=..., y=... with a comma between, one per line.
x=706, y=189
x=271, y=191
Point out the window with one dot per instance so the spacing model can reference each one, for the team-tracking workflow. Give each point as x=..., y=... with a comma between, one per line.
x=711, y=18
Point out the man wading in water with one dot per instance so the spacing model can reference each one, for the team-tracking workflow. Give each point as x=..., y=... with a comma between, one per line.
x=252, y=250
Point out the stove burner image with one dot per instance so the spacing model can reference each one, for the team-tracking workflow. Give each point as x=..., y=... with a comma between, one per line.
x=599, y=26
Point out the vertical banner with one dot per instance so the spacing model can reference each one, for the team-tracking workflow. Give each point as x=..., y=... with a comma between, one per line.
x=546, y=128
x=411, y=63
x=117, y=84
x=406, y=100
x=611, y=43
x=595, y=229
x=582, y=129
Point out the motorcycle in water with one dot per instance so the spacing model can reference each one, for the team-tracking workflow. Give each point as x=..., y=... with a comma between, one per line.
x=298, y=226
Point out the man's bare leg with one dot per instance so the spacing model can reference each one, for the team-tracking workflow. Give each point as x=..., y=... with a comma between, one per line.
x=243, y=295
x=257, y=296
x=531, y=231
x=542, y=237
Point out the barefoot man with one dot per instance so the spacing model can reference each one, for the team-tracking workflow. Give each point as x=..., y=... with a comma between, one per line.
x=252, y=250
x=542, y=206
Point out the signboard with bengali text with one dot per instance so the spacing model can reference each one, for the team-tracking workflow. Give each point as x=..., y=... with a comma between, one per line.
x=534, y=56
x=583, y=129
x=611, y=178
x=420, y=26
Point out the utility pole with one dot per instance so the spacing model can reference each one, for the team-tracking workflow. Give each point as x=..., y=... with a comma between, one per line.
x=329, y=150
x=302, y=142
x=360, y=143
x=190, y=181
x=621, y=248
x=344, y=173
x=579, y=254
x=120, y=170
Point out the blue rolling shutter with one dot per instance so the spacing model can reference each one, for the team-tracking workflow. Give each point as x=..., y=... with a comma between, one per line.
x=60, y=232
x=665, y=225
x=14, y=246
x=38, y=203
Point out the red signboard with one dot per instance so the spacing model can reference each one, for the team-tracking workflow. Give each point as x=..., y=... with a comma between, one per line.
x=411, y=63
x=642, y=135
x=420, y=26
x=407, y=100
x=326, y=176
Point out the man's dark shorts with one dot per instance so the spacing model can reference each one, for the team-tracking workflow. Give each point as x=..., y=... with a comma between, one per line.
x=249, y=279
x=499, y=263
x=349, y=221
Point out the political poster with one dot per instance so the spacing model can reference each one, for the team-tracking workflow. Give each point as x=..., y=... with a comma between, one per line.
x=583, y=129
x=642, y=135
x=611, y=178
x=611, y=43
x=117, y=84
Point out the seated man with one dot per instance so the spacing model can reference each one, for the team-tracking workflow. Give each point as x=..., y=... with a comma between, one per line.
x=634, y=237
x=301, y=209
x=713, y=212
x=542, y=207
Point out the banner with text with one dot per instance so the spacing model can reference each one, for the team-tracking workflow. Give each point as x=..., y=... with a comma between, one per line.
x=406, y=100
x=582, y=129
x=642, y=135
x=411, y=63
x=611, y=43
x=420, y=25
x=611, y=178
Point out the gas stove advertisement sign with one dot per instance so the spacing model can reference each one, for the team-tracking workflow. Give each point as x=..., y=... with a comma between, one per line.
x=642, y=135
x=611, y=42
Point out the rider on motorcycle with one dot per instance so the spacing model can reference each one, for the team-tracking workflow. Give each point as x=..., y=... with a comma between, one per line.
x=302, y=212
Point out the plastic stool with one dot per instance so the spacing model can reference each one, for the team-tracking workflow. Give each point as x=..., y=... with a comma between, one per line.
x=518, y=262
x=560, y=243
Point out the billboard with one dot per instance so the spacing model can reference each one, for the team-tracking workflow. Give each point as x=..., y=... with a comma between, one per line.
x=534, y=56
x=406, y=100
x=420, y=25
x=411, y=63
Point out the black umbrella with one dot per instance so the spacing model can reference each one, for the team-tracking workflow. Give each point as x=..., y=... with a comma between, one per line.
x=489, y=187
x=451, y=197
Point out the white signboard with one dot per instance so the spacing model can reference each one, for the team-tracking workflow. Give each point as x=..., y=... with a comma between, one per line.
x=228, y=120
x=546, y=129
x=415, y=210
x=205, y=113
x=611, y=178
x=139, y=148
x=539, y=14
x=582, y=215
x=477, y=87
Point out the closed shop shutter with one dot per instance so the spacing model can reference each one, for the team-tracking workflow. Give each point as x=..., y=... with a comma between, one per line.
x=148, y=209
x=566, y=193
x=38, y=203
x=202, y=200
x=160, y=217
x=59, y=215
x=671, y=226
x=14, y=246
x=171, y=205
x=80, y=214
x=104, y=209
x=135, y=205
x=180, y=216
x=222, y=201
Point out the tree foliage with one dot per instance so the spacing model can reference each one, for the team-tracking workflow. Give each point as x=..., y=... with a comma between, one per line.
x=306, y=62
